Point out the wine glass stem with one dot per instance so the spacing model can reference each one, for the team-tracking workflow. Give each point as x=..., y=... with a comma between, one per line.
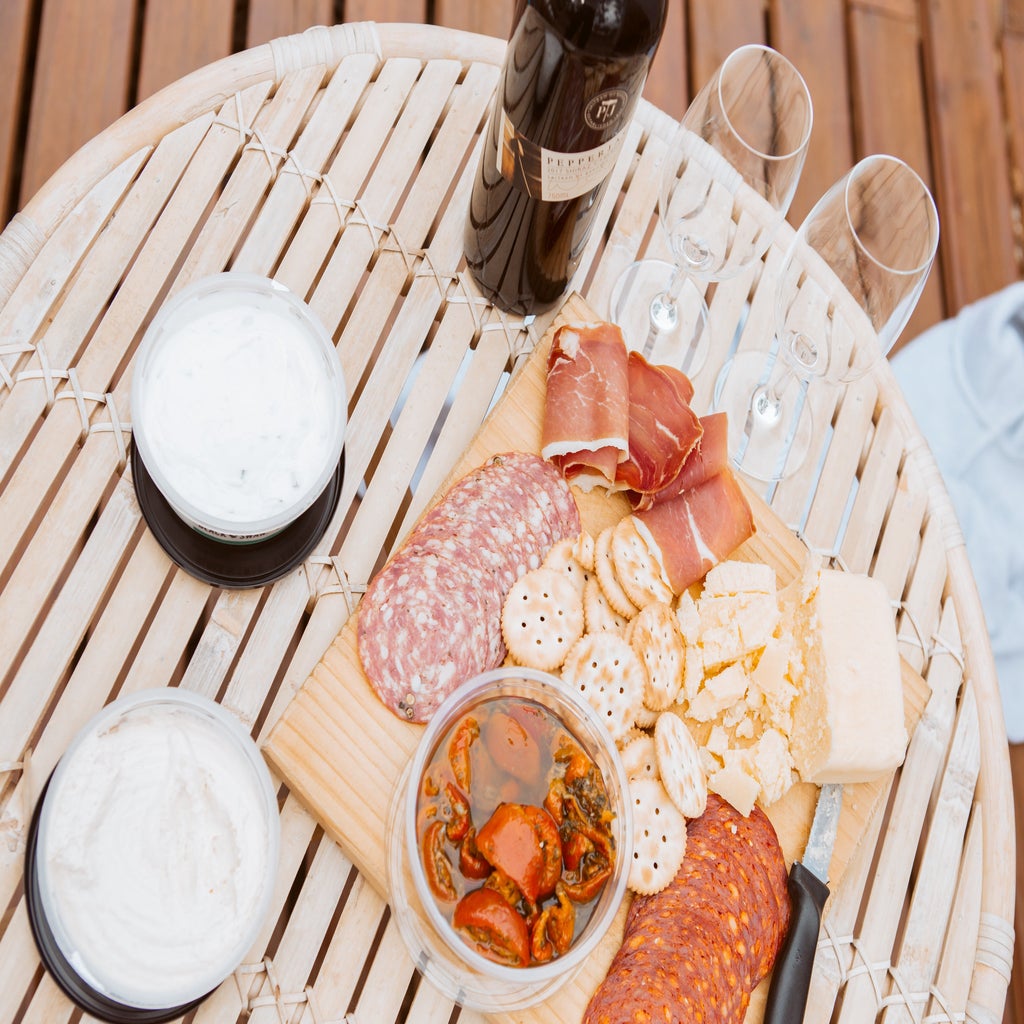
x=665, y=305
x=766, y=403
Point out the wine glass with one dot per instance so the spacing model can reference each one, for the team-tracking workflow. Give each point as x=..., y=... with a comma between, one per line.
x=747, y=129
x=848, y=284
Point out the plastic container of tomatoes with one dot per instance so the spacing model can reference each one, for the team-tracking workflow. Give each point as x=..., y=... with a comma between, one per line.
x=509, y=839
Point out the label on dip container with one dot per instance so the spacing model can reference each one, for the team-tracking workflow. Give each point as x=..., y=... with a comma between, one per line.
x=158, y=847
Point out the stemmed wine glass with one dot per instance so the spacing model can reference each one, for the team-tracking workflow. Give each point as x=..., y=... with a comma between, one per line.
x=874, y=233
x=747, y=128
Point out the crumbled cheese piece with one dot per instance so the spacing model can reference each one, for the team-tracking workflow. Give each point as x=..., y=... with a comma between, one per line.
x=735, y=785
x=719, y=693
x=735, y=577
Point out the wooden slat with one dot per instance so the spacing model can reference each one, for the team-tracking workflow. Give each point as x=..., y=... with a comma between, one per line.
x=269, y=19
x=81, y=82
x=1013, y=97
x=969, y=145
x=716, y=28
x=804, y=32
x=667, y=86
x=386, y=10
x=1015, y=992
x=890, y=112
x=474, y=16
x=178, y=38
x=15, y=40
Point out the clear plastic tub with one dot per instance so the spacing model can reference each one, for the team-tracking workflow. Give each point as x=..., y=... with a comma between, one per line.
x=154, y=855
x=438, y=951
x=238, y=406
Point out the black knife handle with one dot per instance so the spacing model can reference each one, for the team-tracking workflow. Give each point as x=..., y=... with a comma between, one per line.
x=791, y=978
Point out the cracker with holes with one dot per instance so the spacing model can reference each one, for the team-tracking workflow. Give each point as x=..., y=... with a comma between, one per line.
x=639, y=759
x=636, y=567
x=604, y=566
x=598, y=614
x=655, y=637
x=542, y=619
x=679, y=765
x=606, y=671
x=585, y=550
x=562, y=558
x=659, y=837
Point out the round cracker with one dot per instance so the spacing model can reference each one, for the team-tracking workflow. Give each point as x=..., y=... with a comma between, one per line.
x=542, y=618
x=604, y=566
x=659, y=837
x=639, y=759
x=606, y=670
x=679, y=765
x=585, y=551
x=598, y=614
x=562, y=558
x=655, y=637
x=636, y=568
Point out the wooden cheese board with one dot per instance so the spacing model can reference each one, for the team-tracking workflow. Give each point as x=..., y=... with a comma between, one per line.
x=341, y=751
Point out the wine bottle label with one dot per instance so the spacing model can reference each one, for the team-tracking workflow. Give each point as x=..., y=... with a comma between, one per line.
x=549, y=175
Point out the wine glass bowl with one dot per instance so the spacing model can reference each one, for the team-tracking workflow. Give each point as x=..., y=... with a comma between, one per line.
x=727, y=179
x=847, y=285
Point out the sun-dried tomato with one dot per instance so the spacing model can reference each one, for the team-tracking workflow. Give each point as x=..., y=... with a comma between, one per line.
x=493, y=927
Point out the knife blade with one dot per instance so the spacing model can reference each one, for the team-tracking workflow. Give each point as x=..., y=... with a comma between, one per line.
x=808, y=891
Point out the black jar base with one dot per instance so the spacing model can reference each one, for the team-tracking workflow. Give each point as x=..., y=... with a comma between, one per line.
x=228, y=565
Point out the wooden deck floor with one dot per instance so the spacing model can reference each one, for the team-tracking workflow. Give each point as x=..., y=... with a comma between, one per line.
x=939, y=83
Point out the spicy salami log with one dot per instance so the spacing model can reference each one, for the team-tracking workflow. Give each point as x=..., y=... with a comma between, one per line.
x=697, y=949
x=431, y=618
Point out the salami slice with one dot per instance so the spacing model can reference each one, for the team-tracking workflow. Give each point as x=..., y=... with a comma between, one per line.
x=431, y=619
x=697, y=949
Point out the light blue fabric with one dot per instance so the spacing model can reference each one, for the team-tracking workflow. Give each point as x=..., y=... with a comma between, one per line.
x=964, y=381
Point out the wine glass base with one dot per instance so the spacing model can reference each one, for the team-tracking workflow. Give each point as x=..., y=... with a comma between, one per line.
x=766, y=443
x=633, y=306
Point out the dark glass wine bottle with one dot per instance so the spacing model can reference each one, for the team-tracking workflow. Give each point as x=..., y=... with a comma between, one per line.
x=572, y=76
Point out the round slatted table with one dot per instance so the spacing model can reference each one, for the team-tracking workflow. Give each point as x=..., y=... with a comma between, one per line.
x=339, y=162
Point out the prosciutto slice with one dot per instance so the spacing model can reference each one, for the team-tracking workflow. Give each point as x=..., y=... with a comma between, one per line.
x=586, y=411
x=663, y=429
x=696, y=530
x=707, y=458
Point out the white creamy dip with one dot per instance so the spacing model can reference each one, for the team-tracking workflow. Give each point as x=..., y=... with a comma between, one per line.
x=239, y=409
x=157, y=853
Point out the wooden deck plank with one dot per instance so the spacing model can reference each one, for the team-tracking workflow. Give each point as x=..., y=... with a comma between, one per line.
x=890, y=110
x=15, y=41
x=804, y=32
x=81, y=82
x=969, y=149
x=667, y=85
x=716, y=28
x=386, y=10
x=178, y=38
x=270, y=19
x=473, y=16
x=1013, y=93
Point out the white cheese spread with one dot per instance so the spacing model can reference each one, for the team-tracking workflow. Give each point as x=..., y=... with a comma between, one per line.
x=239, y=411
x=157, y=854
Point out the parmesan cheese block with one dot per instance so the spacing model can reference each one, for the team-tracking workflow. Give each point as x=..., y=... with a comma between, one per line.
x=848, y=715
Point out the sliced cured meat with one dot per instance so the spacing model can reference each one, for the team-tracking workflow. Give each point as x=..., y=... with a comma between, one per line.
x=663, y=429
x=431, y=619
x=586, y=411
x=424, y=627
x=696, y=950
x=709, y=456
x=698, y=529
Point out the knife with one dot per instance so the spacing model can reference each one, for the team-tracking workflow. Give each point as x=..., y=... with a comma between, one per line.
x=808, y=891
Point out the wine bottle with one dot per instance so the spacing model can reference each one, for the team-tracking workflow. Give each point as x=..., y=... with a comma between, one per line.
x=573, y=73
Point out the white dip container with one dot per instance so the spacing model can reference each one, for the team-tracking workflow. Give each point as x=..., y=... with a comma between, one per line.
x=238, y=406
x=156, y=849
